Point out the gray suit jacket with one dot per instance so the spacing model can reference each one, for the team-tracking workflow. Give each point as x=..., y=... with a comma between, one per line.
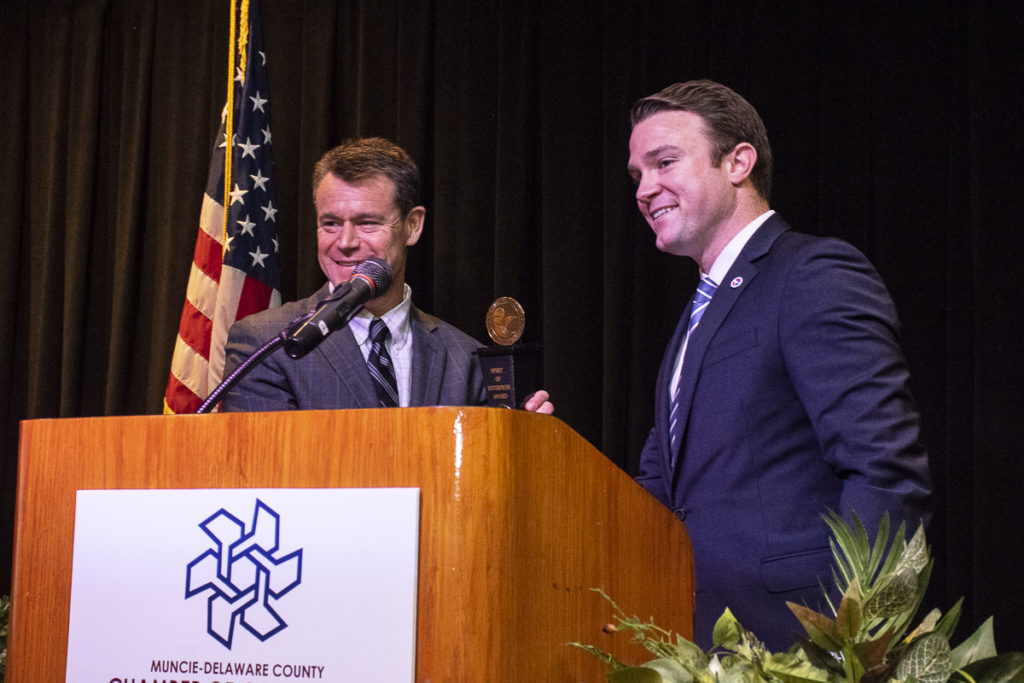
x=334, y=375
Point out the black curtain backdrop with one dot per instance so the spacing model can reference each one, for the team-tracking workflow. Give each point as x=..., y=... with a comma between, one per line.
x=895, y=125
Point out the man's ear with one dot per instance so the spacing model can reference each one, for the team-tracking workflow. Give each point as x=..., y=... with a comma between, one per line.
x=741, y=160
x=412, y=224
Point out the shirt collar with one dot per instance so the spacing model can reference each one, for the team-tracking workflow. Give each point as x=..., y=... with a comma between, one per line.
x=397, y=320
x=732, y=250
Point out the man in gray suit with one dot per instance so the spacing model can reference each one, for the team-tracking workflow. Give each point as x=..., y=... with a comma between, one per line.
x=366, y=195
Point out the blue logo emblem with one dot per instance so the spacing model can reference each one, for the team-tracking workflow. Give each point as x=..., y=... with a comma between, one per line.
x=244, y=574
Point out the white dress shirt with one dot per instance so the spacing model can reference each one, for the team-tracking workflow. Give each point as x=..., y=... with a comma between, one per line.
x=719, y=270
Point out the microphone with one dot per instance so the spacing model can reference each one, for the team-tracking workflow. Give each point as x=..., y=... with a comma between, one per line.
x=370, y=277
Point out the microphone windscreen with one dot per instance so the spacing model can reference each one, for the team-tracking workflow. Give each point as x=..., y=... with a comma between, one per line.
x=378, y=271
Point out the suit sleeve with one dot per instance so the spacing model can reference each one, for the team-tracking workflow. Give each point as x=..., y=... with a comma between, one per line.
x=651, y=475
x=839, y=336
x=265, y=387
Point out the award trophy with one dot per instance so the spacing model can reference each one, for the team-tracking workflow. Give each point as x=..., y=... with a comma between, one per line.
x=511, y=370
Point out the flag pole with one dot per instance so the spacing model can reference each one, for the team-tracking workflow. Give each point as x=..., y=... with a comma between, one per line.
x=229, y=120
x=230, y=280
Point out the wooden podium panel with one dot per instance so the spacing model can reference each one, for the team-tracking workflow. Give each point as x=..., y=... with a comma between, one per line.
x=520, y=518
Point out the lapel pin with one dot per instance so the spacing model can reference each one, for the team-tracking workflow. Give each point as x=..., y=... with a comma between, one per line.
x=736, y=282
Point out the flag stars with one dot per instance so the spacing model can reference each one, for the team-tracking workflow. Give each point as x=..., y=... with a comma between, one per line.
x=243, y=250
x=269, y=212
x=237, y=194
x=259, y=180
x=248, y=148
x=247, y=226
x=258, y=258
x=258, y=102
x=251, y=210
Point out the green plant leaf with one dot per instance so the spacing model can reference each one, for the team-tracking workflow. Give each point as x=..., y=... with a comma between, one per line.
x=894, y=597
x=849, y=615
x=927, y=659
x=927, y=625
x=820, y=657
x=947, y=624
x=849, y=555
x=727, y=631
x=872, y=653
x=793, y=668
x=1004, y=668
x=736, y=669
x=820, y=628
x=878, y=675
x=916, y=555
x=853, y=549
x=981, y=645
x=605, y=657
x=689, y=651
x=641, y=674
x=672, y=670
x=901, y=622
x=891, y=561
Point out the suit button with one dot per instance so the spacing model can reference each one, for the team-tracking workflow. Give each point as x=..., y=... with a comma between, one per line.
x=680, y=514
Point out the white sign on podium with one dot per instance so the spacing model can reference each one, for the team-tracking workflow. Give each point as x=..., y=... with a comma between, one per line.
x=244, y=586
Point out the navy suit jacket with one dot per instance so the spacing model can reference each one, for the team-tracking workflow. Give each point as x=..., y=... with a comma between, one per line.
x=334, y=375
x=794, y=401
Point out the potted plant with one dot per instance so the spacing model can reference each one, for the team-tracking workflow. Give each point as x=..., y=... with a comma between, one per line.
x=867, y=639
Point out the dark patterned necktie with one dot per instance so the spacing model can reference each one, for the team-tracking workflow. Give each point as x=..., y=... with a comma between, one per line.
x=701, y=299
x=381, y=368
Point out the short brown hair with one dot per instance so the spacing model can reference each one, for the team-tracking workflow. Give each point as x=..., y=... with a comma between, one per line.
x=729, y=119
x=358, y=160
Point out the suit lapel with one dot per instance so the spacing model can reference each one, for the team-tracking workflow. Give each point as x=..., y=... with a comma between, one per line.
x=739, y=278
x=427, y=362
x=340, y=353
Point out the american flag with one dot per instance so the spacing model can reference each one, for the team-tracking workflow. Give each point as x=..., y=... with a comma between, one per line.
x=235, y=274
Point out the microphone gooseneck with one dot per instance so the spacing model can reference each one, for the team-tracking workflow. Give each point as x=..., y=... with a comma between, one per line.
x=369, y=279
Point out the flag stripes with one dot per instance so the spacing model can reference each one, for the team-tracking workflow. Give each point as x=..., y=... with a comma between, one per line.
x=235, y=263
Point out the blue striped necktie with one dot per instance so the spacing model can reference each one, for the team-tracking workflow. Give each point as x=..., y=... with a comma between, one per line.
x=701, y=299
x=381, y=368
x=705, y=290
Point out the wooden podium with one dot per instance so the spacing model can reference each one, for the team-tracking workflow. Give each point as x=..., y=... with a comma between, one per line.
x=520, y=518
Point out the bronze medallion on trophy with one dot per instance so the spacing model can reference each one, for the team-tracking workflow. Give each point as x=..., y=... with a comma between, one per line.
x=511, y=370
x=505, y=321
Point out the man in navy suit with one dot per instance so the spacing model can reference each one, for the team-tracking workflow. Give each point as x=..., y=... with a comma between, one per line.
x=783, y=392
x=366, y=194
